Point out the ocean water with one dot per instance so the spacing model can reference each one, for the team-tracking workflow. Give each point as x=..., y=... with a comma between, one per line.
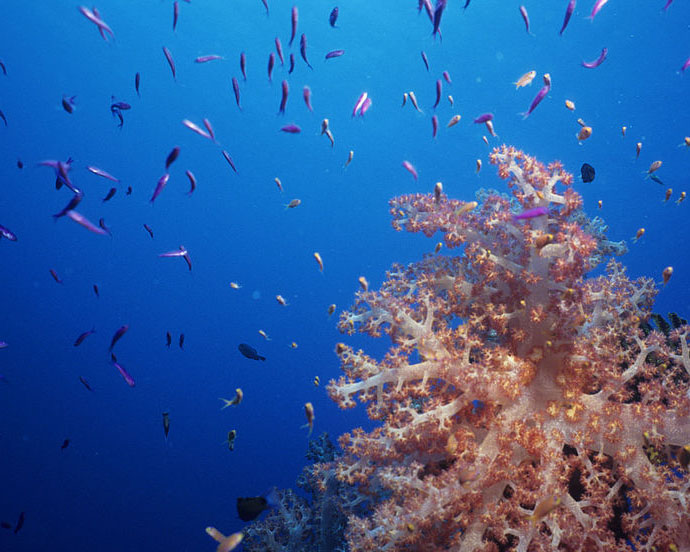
x=120, y=484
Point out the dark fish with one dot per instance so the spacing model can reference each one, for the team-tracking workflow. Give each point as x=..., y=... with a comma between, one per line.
x=122, y=106
x=271, y=63
x=20, y=164
x=137, y=81
x=279, y=51
x=265, y=3
x=333, y=17
x=249, y=352
x=284, y=98
x=236, y=89
x=68, y=103
x=149, y=230
x=439, y=88
x=438, y=13
x=243, y=65
x=20, y=523
x=425, y=60
x=83, y=336
x=181, y=341
x=229, y=160
x=76, y=199
x=82, y=379
x=587, y=172
x=303, y=49
x=250, y=508
x=2, y=116
x=166, y=424
x=294, y=24
x=110, y=194
x=656, y=179
x=55, y=276
x=168, y=339
x=101, y=223
x=65, y=444
x=129, y=190
x=171, y=157
x=467, y=3
x=95, y=290
x=4, y=69
x=118, y=334
x=292, y=64
x=568, y=14
x=117, y=113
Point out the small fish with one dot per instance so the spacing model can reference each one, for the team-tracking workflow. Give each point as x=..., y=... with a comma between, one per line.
x=229, y=543
x=102, y=173
x=638, y=148
x=281, y=300
x=434, y=126
x=682, y=69
x=264, y=335
x=110, y=194
x=249, y=352
x=83, y=336
x=55, y=276
x=483, y=118
x=413, y=99
x=540, y=96
x=446, y=76
x=478, y=165
x=68, y=103
x=291, y=129
x=209, y=128
x=232, y=434
x=236, y=400
x=439, y=87
x=292, y=64
x=319, y=260
x=168, y=339
x=236, y=90
x=101, y=223
x=585, y=132
x=438, y=13
x=359, y=103
x=179, y=252
x=95, y=18
x=207, y=58
x=235, y=285
x=4, y=69
x=654, y=167
x=95, y=290
x=525, y=18
x=20, y=164
x=531, y=213
x=334, y=54
x=640, y=232
x=195, y=128
x=166, y=424
x=20, y=522
x=349, y=158
x=597, y=6
x=656, y=179
x=137, y=82
x=587, y=172
x=162, y=181
x=667, y=196
x=306, y=94
x=85, y=383
x=171, y=62
x=125, y=375
x=149, y=230
x=192, y=182
x=525, y=79
x=303, y=49
x=568, y=13
x=118, y=334
x=409, y=167
x=317, y=381
x=333, y=17
x=243, y=65
x=181, y=341
x=65, y=444
x=176, y=13
x=227, y=157
x=597, y=62
x=331, y=309
x=279, y=51
x=309, y=413
x=569, y=104
x=283, y=100
x=365, y=106
x=265, y=3
x=666, y=274
x=278, y=183
x=293, y=345
x=544, y=508
x=294, y=18
x=425, y=60
x=7, y=233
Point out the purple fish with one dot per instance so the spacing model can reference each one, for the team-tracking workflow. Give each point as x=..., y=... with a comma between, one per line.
x=162, y=181
x=540, y=96
x=483, y=118
x=229, y=160
x=525, y=18
x=236, y=89
x=4, y=344
x=176, y=13
x=7, y=233
x=192, y=182
x=532, y=213
x=303, y=49
x=291, y=129
x=597, y=62
x=438, y=13
x=359, y=103
x=685, y=65
x=434, y=125
x=271, y=63
x=279, y=50
x=283, y=100
x=295, y=16
x=110, y=194
x=85, y=383
x=439, y=87
x=568, y=13
x=365, y=106
x=125, y=375
x=243, y=65
x=122, y=330
x=86, y=223
x=265, y=3
x=446, y=75
x=334, y=54
x=94, y=17
x=83, y=336
x=425, y=60
x=206, y=59
x=333, y=17
x=171, y=157
x=55, y=276
x=101, y=172
x=76, y=199
x=292, y=64
x=306, y=94
x=101, y=223
x=171, y=62
x=137, y=81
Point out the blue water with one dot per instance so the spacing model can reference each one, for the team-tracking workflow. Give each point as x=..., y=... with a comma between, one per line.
x=120, y=485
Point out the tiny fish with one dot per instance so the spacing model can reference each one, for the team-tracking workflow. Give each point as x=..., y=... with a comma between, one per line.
x=149, y=230
x=359, y=103
x=283, y=100
x=531, y=213
x=85, y=383
x=309, y=413
x=110, y=194
x=68, y=103
x=7, y=233
x=181, y=341
x=192, y=182
x=483, y=118
x=162, y=181
x=230, y=542
x=292, y=64
x=294, y=18
x=525, y=79
x=249, y=352
x=439, y=87
x=425, y=60
x=122, y=330
x=83, y=336
x=137, y=81
x=333, y=17
x=597, y=62
x=172, y=156
x=208, y=126
x=55, y=276
x=236, y=400
x=306, y=94
x=446, y=76
x=349, y=158
x=102, y=173
x=243, y=65
x=195, y=128
x=597, y=6
x=540, y=95
x=125, y=375
x=227, y=157
x=334, y=54
x=587, y=172
x=293, y=203
x=279, y=51
x=206, y=59
x=166, y=424
x=303, y=49
x=171, y=62
x=568, y=13
x=95, y=290
x=236, y=90
x=525, y=18
x=409, y=167
x=176, y=13
x=271, y=63
x=65, y=444
x=319, y=260
x=168, y=339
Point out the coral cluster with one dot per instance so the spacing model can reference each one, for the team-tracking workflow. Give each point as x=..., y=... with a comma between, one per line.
x=522, y=405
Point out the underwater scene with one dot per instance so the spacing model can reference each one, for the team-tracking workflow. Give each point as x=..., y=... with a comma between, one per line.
x=406, y=275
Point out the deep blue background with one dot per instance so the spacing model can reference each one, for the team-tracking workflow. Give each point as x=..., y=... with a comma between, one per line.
x=119, y=485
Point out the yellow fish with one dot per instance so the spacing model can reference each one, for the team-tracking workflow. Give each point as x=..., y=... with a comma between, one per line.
x=525, y=79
